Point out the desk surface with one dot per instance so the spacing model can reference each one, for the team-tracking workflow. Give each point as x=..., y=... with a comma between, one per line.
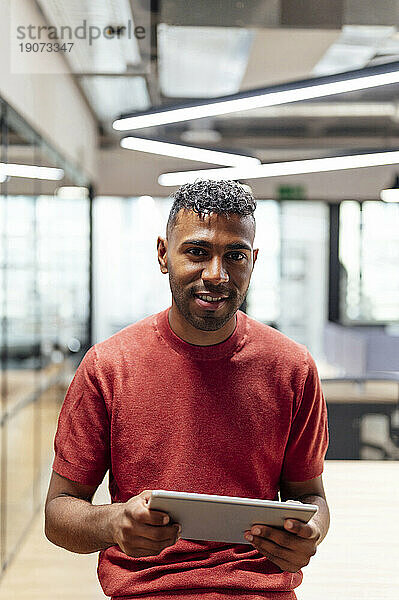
x=372, y=392
x=358, y=560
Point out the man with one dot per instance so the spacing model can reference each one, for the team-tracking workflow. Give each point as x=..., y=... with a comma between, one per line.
x=197, y=398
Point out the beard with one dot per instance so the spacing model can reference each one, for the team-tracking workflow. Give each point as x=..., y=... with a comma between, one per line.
x=209, y=321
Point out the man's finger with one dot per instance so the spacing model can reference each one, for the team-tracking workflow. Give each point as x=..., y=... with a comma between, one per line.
x=143, y=514
x=275, y=535
x=304, y=530
x=154, y=532
x=280, y=556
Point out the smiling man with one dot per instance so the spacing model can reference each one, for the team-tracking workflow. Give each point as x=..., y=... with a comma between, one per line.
x=210, y=260
x=197, y=398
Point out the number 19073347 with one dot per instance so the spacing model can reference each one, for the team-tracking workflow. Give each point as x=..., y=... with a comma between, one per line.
x=45, y=47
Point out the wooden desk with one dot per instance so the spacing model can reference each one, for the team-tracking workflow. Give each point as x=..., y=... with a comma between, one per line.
x=358, y=559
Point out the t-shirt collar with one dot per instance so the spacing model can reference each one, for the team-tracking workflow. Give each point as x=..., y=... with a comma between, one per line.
x=216, y=351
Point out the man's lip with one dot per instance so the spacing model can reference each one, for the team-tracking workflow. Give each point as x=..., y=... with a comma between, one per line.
x=211, y=294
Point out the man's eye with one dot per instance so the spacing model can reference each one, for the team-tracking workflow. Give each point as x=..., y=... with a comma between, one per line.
x=195, y=251
x=237, y=256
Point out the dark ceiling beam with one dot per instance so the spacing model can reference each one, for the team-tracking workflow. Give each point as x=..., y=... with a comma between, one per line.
x=293, y=14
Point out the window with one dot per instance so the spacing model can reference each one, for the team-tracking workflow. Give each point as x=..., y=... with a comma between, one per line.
x=369, y=257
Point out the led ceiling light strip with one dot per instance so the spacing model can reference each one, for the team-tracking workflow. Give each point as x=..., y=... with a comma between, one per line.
x=187, y=152
x=390, y=195
x=72, y=192
x=30, y=171
x=296, y=167
x=292, y=92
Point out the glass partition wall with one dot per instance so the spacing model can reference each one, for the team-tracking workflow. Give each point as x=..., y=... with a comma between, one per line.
x=45, y=280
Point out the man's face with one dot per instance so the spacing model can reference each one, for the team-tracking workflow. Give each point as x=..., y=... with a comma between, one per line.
x=212, y=256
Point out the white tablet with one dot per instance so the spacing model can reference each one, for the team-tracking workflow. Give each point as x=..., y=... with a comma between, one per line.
x=224, y=518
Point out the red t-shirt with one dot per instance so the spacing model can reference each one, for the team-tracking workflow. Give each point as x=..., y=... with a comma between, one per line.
x=231, y=419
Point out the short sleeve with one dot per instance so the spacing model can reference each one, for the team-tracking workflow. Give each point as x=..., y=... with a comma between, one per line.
x=308, y=439
x=81, y=442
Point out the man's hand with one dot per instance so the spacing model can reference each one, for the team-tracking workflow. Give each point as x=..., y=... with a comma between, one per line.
x=290, y=548
x=139, y=531
x=72, y=522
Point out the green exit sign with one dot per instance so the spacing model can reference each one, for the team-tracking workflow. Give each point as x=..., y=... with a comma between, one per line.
x=291, y=192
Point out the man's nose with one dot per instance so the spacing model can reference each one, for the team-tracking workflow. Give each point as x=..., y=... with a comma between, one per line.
x=215, y=272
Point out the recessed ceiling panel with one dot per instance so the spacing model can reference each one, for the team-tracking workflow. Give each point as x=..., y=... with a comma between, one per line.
x=202, y=62
x=96, y=47
x=281, y=55
x=354, y=48
x=112, y=96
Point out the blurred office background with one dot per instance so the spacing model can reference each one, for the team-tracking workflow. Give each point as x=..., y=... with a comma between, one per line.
x=78, y=243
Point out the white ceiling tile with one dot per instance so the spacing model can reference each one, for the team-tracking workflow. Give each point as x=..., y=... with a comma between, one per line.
x=112, y=96
x=354, y=48
x=103, y=55
x=201, y=62
x=280, y=55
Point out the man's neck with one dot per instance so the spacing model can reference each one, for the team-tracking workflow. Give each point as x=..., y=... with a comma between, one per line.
x=198, y=337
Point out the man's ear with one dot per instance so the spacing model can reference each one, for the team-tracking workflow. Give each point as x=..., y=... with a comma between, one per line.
x=255, y=256
x=162, y=248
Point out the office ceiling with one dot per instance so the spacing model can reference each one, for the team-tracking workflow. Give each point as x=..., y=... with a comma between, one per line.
x=205, y=49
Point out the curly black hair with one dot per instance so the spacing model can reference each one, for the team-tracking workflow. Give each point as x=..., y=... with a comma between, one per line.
x=206, y=195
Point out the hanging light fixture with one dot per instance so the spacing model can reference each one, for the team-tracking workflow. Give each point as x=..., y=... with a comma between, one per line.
x=292, y=167
x=295, y=91
x=30, y=171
